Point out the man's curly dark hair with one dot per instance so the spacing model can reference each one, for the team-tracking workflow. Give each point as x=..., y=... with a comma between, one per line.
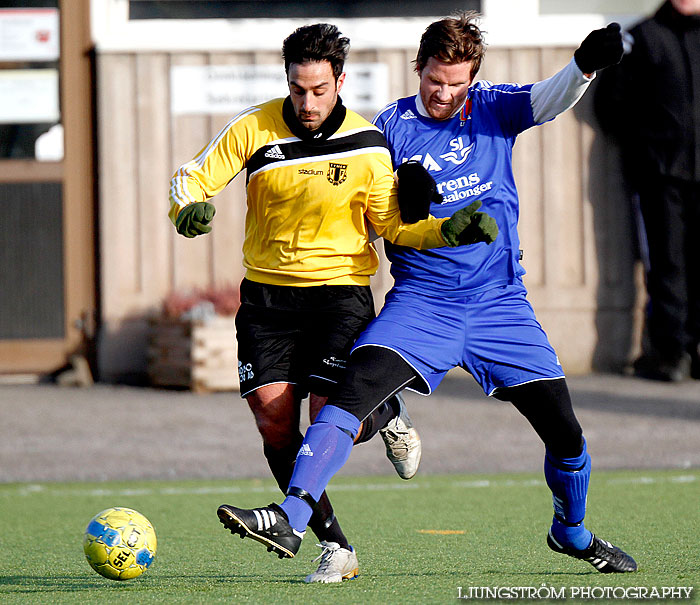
x=318, y=42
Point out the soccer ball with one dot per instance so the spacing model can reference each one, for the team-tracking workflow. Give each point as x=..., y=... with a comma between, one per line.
x=120, y=543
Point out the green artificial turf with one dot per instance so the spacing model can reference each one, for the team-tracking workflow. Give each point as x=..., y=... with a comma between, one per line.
x=428, y=540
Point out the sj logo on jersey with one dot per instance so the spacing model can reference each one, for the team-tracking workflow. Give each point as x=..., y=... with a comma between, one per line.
x=337, y=173
x=459, y=153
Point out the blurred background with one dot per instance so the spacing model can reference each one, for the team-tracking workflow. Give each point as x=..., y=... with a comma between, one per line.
x=101, y=100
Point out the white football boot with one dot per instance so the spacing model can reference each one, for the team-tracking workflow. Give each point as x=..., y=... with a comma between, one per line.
x=403, y=447
x=336, y=564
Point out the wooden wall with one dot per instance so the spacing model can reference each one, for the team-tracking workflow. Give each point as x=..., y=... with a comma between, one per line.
x=575, y=223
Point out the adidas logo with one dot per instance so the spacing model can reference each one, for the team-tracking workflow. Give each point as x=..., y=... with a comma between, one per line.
x=558, y=507
x=265, y=518
x=275, y=153
x=408, y=115
x=305, y=450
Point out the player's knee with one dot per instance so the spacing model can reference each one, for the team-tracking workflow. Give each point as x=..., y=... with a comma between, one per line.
x=277, y=433
x=373, y=375
x=357, y=392
x=566, y=442
x=547, y=406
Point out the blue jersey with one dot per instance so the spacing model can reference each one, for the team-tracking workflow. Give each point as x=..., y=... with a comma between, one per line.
x=470, y=158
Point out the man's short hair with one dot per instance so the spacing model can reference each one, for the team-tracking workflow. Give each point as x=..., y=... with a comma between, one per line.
x=318, y=42
x=455, y=39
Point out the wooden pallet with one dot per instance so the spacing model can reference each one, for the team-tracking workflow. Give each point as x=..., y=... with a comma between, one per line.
x=195, y=354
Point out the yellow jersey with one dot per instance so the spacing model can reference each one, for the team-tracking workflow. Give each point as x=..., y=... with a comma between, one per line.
x=311, y=196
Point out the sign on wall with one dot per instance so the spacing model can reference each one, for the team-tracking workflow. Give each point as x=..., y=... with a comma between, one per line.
x=28, y=96
x=29, y=34
x=228, y=89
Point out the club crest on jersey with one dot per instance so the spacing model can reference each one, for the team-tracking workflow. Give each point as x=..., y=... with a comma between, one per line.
x=337, y=173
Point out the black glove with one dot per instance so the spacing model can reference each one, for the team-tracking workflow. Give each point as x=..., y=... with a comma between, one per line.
x=467, y=226
x=601, y=48
x=416, y=190
x=194, y=219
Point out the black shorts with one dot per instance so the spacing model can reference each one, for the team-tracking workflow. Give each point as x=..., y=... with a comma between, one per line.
x=298, y=335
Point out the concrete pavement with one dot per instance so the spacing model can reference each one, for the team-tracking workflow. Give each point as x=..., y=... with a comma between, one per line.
x=51, y=433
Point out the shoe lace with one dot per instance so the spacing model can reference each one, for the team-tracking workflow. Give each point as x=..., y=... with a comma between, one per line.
x=398, y=440
x=612, y=554
x=326, y=557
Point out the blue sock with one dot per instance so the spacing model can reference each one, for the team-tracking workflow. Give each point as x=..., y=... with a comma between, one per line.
x=576, y=537
x=298, y=512
x=568, y=480
x=326, y=447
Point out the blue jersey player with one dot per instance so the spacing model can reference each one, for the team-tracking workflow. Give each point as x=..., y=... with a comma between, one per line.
x=459, y=307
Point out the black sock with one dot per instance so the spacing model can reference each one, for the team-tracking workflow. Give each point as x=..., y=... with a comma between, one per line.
x=319, y=519
x=281, y=461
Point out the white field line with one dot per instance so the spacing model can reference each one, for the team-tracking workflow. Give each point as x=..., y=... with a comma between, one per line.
x=50, y=489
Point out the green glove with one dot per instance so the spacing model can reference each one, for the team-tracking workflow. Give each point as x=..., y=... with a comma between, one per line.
x=194, y=219
x=467, y=226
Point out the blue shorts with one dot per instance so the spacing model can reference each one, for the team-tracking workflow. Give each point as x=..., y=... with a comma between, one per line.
x=494, y=335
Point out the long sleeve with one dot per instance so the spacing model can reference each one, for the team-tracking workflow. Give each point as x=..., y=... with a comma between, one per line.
x=213, y=167
x=559, y=93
